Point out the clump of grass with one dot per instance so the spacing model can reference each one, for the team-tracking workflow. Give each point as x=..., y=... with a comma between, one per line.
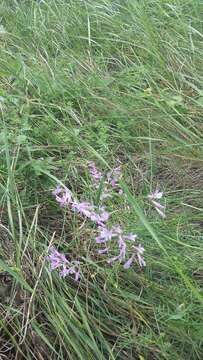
x=104, y=81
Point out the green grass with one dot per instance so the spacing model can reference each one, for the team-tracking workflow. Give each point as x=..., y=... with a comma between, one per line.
x=107, y=81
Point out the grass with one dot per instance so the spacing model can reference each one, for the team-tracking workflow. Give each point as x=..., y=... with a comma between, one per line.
x=106, y=81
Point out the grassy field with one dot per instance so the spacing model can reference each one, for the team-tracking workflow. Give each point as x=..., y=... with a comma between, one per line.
x=118, y=83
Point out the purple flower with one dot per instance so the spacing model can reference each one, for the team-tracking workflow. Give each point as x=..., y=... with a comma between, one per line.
x=99, y=215
x=59, y=261
x=65, y=271
x=95, y=174
x=141, y=260
x=65, y=195
x=140, y=250
x=97, y=218
x=129, y=262
x=117, y=230
x=56, y=259
x=104, y=215
x=58, y=190
x=113, y=178
x=113, y=183
x=130, y=237
x=107, y=233
x=102, y=251
x=100, y=240
x=77, y=275
x=122, y=247
x=115, y=258
x=159, y=208
x=122, y=251
x=156, y=204
x=83, y=208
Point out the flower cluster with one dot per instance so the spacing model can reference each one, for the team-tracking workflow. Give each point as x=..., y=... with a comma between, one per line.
x=63, y=196
x=107, y=238
x=111, y=180
x=95, y=174
x=59, y=261
x=116, y=233
x=97, y=214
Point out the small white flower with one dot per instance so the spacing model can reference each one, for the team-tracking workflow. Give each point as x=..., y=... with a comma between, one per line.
x=157, y=195
x=2, y=29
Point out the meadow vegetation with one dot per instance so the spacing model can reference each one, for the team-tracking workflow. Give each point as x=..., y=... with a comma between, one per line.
x=117, y=83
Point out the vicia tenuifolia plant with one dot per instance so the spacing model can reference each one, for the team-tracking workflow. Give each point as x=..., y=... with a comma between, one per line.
x=108, y=237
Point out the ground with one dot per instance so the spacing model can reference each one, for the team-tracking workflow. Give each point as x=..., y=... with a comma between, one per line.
x=117, y=83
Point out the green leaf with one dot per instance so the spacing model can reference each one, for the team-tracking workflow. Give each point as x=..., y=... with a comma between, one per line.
x=16, y=274
x=21, y=139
